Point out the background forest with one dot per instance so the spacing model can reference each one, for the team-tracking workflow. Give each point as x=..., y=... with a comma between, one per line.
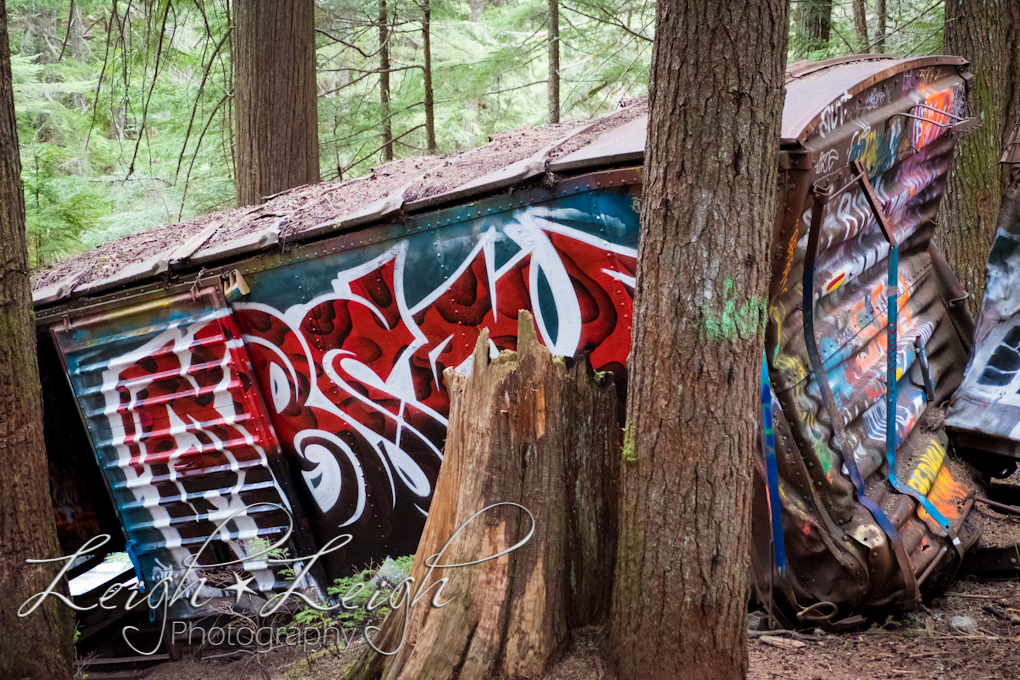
x=125, y=114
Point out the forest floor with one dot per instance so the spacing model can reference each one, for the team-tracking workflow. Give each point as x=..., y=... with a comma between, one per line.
x=915, y=645
x=918, y=644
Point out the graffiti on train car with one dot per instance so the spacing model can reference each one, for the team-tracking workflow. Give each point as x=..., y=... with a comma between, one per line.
x=178, y=427
x=350, y=373
x=354, y=378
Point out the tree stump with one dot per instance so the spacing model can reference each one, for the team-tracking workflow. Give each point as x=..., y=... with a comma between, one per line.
x=542, y=432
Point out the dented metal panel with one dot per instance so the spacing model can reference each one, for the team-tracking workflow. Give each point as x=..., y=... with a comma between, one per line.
x=985, y=412
x=895, y=119
x=179, y=431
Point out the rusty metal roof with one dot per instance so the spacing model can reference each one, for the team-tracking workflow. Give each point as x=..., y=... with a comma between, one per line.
x=815, y=90
x=419, y=184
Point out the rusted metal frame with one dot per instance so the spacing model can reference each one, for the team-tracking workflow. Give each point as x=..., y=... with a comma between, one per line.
x=925, y=120
x=1010, y=509
x=931, y=566
x=193, y=293
x=895, y=69
x=892, y=290
x=869, y=194
x=959, y=119
x=960, y=125
x=821, y=199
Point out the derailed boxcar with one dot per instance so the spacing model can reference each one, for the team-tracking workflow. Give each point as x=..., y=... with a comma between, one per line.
x=288, y=358
x=871, y=508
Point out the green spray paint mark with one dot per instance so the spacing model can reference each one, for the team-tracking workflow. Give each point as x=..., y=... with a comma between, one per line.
x=822, y=452
x=736, y=322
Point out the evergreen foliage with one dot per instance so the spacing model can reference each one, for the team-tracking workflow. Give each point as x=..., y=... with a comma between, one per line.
x=125, y=114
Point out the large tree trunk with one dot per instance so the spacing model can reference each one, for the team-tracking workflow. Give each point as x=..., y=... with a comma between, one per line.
x=709, y=203
x=554, y=61
x=861, y=25
x=40, y=644
x=475, y=8
x=384, y=82
x=978, y=30
x=430, y=113
x=541, y=432
x=813, y=20
x=276, y=97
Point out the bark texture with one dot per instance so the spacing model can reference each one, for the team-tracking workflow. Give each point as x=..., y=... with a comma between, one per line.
x=530, y=429
x=709, y=203
x=554, y=61
x=40, y=644
x=384, y=82
x=880, y=21
x=861, y=25
x=475, y=8
x=276, y=97
x=979, y=30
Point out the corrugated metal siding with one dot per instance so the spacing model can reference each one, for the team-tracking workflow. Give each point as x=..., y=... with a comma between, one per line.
x=836, y=550
x=179, y=430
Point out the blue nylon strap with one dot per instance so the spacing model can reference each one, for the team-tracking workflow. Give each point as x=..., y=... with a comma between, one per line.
x=772, y=471
x=890, y=393
x=822, y=379
x=129, y=548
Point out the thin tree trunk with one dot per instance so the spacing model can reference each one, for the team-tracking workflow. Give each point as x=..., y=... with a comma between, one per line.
x=554, y=61
x=470, y=116
x=709, y=202
x=968, y=213
x=38, y=645
x=430, y=115
x=813, y=20
x=384, y=82
x=276, y=97
x=880, y=15
x=525, y=428
x=1011, y=88
x=861, y=25
x=77, y=40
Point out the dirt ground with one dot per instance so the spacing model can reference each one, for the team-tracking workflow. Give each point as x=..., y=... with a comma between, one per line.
x=915, y=645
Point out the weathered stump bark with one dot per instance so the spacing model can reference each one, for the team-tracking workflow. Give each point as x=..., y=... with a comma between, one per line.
x=542, y=432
